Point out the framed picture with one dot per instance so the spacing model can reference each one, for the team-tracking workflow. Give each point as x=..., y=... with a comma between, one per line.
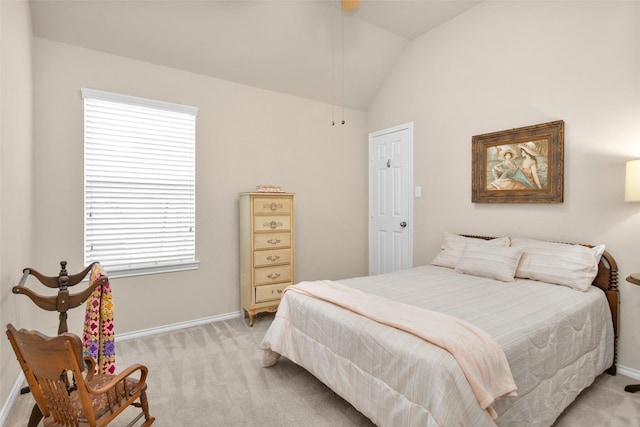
x=523, y=165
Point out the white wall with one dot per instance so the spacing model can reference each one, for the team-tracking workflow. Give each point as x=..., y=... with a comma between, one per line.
x=16, y=211
x=504, y=65
x=245, y=136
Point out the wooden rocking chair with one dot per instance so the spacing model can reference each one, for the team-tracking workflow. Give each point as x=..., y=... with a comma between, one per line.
x=54, y=369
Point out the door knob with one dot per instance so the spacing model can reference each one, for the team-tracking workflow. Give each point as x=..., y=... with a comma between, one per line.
x=403, y=224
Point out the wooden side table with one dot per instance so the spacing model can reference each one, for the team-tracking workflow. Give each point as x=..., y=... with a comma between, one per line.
x=635, y=279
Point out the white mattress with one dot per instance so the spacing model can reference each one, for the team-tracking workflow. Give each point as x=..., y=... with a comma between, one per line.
x=556, y=339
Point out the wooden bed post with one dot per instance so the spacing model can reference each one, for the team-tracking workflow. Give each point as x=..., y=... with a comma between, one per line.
x=607, y=280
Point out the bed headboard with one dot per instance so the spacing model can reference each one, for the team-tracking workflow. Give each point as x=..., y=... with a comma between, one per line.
x=607, y=280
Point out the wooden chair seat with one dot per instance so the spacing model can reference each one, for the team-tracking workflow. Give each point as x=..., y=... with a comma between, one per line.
x=100, y=402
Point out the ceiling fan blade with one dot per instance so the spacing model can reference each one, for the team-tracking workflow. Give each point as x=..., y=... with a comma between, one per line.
x=350, y=5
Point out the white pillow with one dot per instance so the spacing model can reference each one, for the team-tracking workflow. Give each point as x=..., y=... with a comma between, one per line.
x=558, y=263
x=494, y=262
x=453, y=245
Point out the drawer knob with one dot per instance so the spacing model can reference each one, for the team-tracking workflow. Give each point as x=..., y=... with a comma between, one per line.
x=273, y=258
x=273, y=224
x=276, y=291
x=273, y=276
x=273, y=206
x=273, y=241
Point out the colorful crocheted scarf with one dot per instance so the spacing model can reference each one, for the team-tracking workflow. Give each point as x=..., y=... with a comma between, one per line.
x=98, y=338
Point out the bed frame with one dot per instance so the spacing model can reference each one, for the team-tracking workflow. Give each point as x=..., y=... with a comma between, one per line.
x=607, y=280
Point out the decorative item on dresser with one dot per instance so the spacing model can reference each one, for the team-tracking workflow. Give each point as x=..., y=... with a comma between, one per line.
x=266, y=250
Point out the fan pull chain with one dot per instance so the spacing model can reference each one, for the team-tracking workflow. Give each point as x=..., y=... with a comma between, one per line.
x=334, y=95
x=342, y=100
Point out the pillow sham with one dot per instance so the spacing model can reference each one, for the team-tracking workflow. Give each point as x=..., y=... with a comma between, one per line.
x=453, y=245
x=563, y=264
x=494, y=262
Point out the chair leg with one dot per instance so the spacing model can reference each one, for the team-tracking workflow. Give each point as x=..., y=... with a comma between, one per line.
x=632, y=388
x=36, y=416
x=145, y=409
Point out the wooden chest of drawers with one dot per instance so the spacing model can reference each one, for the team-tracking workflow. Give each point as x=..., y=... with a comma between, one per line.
x=266, y=250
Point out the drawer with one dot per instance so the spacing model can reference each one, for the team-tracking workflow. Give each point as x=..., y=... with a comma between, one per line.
x=272, y=257
x=272, y=240
x=271, y=223
x=268, y=275
x=271, y=205
x=270, y=292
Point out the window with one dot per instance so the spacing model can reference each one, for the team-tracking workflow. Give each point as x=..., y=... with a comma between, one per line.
x=139, y=184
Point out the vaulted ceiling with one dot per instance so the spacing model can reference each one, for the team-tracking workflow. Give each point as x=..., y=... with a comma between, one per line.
x=306, y=48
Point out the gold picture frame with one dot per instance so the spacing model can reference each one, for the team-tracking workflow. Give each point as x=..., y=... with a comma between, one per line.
x=523, y=165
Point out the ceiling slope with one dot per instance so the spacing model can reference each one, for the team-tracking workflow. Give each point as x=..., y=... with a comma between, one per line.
x=305, y=48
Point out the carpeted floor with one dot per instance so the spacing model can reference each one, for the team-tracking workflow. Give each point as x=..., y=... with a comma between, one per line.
x=211, y=375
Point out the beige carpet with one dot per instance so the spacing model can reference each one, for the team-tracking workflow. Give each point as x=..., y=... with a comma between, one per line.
x=211, y=375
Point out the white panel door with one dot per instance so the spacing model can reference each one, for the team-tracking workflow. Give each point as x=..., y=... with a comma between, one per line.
x=390, y=199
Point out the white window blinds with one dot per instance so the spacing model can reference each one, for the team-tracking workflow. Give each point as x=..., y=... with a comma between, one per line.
x=139, y=184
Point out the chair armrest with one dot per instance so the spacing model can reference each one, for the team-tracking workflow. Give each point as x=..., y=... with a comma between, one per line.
x=123, y=376
x=90, y=365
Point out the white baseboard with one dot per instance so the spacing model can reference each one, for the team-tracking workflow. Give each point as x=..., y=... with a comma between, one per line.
x=15, y=391
x=628, y=372
x=175, y=326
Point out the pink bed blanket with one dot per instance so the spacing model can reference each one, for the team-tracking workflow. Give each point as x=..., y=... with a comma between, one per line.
x=479, y=355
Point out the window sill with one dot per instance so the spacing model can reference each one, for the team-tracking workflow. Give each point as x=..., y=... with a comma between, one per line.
x=143, y=271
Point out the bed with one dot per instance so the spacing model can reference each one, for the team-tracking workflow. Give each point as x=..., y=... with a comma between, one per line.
x=552, y=309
